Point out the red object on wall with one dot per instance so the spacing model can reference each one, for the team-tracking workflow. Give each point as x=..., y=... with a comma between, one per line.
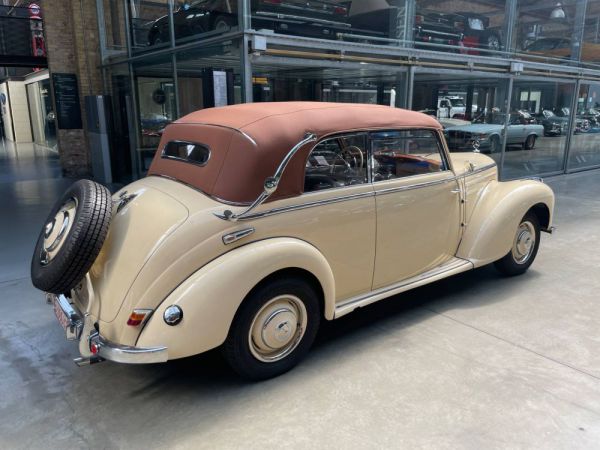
x=38, y=45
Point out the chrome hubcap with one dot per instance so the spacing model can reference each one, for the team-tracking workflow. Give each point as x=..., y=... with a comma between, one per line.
x=277, y=328
x=524, y=242
x=56, y=230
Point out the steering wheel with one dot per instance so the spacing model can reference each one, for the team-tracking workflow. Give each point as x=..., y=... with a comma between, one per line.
x=354, y=151
x=351, y=156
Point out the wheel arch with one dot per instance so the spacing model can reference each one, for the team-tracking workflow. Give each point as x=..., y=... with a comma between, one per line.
x=211, y=296
x=490, y=231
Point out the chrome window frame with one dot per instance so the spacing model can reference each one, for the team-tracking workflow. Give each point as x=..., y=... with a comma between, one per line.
x=186, y=160
x=338, y=136
x=441, y=149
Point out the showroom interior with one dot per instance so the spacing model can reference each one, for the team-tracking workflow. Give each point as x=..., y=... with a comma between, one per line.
x=475, y=361
x=510, y=64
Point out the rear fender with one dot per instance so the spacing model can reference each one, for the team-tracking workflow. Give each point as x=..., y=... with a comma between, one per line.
x=491, y=230
x=211, y=296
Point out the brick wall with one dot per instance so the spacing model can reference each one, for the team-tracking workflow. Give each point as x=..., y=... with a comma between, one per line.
x=71, y=33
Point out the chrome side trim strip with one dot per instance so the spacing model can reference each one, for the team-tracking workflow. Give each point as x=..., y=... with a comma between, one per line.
x=344, y=198
x=230, y=238
x=283, y=209
x=414, y=186
x=452, y=267
x=480, y=169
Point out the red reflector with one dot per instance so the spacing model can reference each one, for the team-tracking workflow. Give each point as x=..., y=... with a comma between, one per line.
x=340, y=10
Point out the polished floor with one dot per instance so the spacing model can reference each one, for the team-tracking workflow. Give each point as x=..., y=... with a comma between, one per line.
x=476, y=361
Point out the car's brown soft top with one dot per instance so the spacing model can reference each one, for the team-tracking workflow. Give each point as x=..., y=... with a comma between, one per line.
x=249, y=141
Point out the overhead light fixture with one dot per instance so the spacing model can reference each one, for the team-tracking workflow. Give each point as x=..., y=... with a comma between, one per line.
x=558, y=12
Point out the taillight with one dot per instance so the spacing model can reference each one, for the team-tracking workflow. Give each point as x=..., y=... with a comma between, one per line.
x=138, y=316
x=340, y=10
x=419, y=19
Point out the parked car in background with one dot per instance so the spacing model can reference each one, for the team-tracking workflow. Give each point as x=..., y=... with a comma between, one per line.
x=553, y=124
x=318, y=18
x=487, y=137
x=256, y=221
x=452, y=107
x=464, y=29
x=561, y=47
x=581, y=125
x=592, y=115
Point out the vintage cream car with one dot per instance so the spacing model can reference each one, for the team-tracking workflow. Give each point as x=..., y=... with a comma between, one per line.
x=257, y=221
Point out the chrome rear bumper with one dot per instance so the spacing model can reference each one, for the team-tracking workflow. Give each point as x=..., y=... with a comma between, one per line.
x=92, y=346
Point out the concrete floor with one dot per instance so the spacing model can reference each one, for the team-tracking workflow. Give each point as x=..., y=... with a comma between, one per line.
x=475, y=361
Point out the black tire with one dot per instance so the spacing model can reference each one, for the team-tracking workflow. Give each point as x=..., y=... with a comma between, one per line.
x=222, y=24
x=494, y=144
x=529, y=142
x=509, y=265
x=237, y=347
x=79, y=247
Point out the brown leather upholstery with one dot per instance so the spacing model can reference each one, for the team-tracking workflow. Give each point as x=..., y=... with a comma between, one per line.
x=249, y=141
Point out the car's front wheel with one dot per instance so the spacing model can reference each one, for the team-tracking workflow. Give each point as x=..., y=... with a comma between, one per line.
x=524, y=248
x=273, y=329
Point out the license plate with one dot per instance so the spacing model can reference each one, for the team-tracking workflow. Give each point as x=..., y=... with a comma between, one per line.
x=64, y=321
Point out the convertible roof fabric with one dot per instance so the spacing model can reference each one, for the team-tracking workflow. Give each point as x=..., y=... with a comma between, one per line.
x=249, y=141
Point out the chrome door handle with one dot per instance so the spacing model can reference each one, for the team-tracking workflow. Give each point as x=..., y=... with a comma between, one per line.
x=455, y=191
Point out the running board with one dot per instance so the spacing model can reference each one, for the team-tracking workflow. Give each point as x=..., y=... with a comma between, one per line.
x=452, y=267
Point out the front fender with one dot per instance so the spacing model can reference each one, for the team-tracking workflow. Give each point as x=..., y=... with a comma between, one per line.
x=491, y=230
x=210, y=297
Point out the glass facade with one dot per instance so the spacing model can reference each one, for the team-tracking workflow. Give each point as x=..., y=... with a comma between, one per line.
x=514, y=79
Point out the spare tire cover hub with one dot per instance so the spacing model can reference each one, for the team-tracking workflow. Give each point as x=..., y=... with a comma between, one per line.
x=57, y=229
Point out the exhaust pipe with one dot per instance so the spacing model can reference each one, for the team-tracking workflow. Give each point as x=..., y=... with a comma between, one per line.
x=81, y=361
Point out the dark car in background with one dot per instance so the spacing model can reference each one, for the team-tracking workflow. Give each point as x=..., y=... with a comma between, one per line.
x=317, y=18
x=468, y=30
x=553, y=124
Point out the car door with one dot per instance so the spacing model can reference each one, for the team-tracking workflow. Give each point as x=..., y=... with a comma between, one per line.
x=417, y=202
x=336, y=212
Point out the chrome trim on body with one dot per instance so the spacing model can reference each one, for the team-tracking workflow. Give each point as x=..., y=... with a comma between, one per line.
x=127, y=354
x=283, y=209
x=480, y=169
x=72, y=315
x=81, y=328
x=163, y=155
x=452, y=267
x=414, y=186
x=230, y=238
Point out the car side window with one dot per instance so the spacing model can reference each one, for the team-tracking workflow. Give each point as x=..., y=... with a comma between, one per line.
x=337, y=162
x=403, y=153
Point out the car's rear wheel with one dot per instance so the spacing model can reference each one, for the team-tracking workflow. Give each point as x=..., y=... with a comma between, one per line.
x=273, y=329
x=222, y=24
x=72, y=237
x=529, y=142
x=524, y=248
